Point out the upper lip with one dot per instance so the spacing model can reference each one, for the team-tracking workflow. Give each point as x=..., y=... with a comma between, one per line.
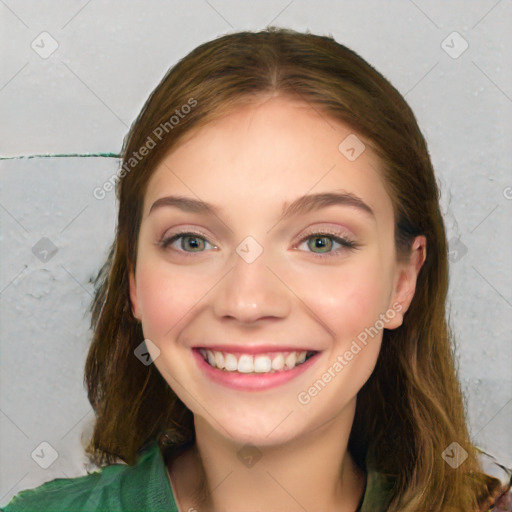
x=254, y=349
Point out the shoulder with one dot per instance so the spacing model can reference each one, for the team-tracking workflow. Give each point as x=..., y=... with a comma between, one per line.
x=143, y=486
x=81, y=493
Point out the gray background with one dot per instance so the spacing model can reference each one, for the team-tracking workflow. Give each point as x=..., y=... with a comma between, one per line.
x=82, y=98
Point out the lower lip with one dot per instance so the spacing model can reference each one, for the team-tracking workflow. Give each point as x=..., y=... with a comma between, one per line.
x=251, y=381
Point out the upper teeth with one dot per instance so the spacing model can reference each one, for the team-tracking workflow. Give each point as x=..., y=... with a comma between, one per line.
x=246, y=363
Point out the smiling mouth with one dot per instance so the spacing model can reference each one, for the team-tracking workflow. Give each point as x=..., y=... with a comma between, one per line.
x=270, y=362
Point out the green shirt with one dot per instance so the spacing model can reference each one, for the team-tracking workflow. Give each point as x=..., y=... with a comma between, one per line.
x=143, y=487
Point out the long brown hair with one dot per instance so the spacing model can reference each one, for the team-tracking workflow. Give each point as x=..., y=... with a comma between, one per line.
x=411, y=409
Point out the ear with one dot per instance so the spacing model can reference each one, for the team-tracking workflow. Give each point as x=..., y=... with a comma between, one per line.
x=405, y=283
x=133, y=294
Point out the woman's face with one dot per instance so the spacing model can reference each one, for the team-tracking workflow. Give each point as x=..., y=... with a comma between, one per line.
x=291, y=252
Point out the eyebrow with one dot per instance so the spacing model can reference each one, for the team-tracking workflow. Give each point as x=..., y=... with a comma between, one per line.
x=301, y=205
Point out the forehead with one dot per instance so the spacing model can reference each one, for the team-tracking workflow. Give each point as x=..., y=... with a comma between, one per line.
x=269, y=152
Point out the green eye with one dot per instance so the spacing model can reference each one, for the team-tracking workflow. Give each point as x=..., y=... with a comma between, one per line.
x=190, y=242
x=320, y=244
x=323, y=244
x=194, y=243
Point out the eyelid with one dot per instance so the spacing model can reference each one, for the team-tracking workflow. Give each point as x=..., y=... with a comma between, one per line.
x=167, y=239
x=186, y=230
x=325, y=230
x=347, y=242
x=309, y=231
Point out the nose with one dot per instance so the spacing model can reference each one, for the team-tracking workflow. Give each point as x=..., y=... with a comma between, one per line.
x=251, y=292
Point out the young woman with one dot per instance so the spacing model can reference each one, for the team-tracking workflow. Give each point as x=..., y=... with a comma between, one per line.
x=270, y=330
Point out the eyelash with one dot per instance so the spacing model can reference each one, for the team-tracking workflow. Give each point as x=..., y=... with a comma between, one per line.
x=345, y=242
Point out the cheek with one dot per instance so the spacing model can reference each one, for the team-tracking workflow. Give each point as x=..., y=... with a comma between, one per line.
x=346, y=299
x=349, y=302
x=165, y=297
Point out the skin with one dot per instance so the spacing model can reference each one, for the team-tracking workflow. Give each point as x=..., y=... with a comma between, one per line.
x=250, y=164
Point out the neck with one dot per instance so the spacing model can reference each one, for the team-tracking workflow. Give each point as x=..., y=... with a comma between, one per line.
x=315, y=472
